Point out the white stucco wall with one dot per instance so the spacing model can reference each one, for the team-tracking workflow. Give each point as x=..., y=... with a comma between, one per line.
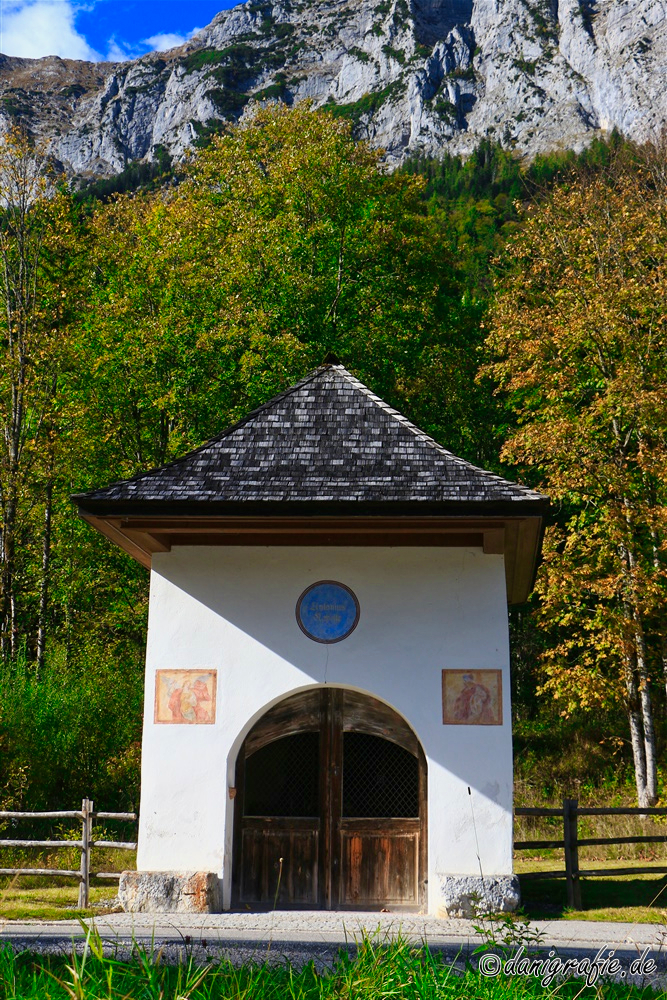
x=233, y=609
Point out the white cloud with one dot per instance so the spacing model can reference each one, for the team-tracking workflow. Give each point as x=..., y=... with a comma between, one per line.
x=120, y=51
x=162, y=42
x=168, y=40
x=36, y=28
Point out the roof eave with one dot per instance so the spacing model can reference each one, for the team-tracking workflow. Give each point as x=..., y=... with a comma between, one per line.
x=515, y=533
x=103, y=507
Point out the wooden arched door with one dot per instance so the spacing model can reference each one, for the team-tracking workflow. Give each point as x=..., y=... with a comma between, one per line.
x=330, y=808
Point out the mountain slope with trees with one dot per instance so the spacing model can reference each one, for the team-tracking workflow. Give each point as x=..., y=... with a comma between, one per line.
x=515, y=313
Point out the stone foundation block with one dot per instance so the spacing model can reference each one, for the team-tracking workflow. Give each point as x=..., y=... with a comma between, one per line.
x=170, y=892
x=471, y=895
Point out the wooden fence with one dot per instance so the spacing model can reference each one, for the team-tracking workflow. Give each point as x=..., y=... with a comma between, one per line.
x=571, y=843
x=87, y=816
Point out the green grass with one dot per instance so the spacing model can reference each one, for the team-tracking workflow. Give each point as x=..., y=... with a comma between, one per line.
x=633, y=898
x=396, y=970
x=36, y=897
x=50, y=902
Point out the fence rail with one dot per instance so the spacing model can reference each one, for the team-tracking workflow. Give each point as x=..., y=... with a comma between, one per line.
x=571, y=843
x=87, y=815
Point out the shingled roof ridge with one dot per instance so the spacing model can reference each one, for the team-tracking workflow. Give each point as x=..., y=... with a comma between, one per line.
x=426, y=438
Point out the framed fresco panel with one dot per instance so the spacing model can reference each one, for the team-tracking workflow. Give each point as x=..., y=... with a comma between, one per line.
x=472, y=697
x=185, y=697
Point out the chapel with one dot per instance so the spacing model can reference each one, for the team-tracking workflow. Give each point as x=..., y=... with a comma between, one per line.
x=327, y=702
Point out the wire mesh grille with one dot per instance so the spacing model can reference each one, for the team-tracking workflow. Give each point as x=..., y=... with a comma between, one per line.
x=379, y=778
x=282, y=778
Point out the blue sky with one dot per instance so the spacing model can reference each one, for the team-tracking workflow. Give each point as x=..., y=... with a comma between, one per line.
x=100, y=29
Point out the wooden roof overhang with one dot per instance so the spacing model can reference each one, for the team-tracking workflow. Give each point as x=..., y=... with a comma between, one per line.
x=513, y=529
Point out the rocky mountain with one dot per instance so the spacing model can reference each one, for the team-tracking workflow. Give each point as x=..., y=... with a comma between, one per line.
x=414, y=75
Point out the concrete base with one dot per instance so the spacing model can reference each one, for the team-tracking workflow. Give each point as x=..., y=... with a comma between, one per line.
x=471, y=895
x=170, y=892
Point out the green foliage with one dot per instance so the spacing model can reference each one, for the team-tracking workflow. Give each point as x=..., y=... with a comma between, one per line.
x=380, y=969
x=359, y=54
x=138, y=174
x=479, y=200
x=475, y=202
x=234, y=69
x=579, y=331
x=446, y=110
x=285, y=243
x=201, y=58
x=366, y=105
x=396, y=54
x=275, y=91
x=228, y=102
x=71, y=733
x=506, y=934
x=557, y=757
x=17, y=104
x=524, y=66
x=206, y=133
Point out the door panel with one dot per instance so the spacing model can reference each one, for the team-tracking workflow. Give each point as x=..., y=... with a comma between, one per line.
x=298, y=714
x=379, y=826
x=379, y=864
x=280, y=862
x=281, y=829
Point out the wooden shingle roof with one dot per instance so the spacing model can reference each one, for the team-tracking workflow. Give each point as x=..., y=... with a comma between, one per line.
x=328, y=442
x=325, y=463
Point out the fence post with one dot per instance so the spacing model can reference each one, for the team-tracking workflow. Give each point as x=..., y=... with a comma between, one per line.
x=86, y=837
x=571, y=853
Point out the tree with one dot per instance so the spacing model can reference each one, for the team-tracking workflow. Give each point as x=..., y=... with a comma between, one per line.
x=580, y=331
x=286, y=240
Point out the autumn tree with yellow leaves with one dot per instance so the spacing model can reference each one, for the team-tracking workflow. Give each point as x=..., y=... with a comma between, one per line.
x=579, y=332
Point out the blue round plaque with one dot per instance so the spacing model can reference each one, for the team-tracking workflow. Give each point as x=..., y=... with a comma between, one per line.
x=327, y=611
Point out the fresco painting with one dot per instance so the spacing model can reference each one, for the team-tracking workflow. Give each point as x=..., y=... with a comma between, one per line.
x=185, y=697
x=472, y=698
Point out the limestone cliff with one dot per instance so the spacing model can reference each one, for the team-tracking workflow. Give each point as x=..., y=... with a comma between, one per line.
x=415, y=75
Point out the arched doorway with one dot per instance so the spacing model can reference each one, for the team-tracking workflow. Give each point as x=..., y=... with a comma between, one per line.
x=330, y=808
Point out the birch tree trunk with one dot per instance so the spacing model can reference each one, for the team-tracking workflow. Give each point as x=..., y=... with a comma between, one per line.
x=639, y=693
x=636, y=731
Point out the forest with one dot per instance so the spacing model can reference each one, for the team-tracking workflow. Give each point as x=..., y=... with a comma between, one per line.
x=515, y=311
